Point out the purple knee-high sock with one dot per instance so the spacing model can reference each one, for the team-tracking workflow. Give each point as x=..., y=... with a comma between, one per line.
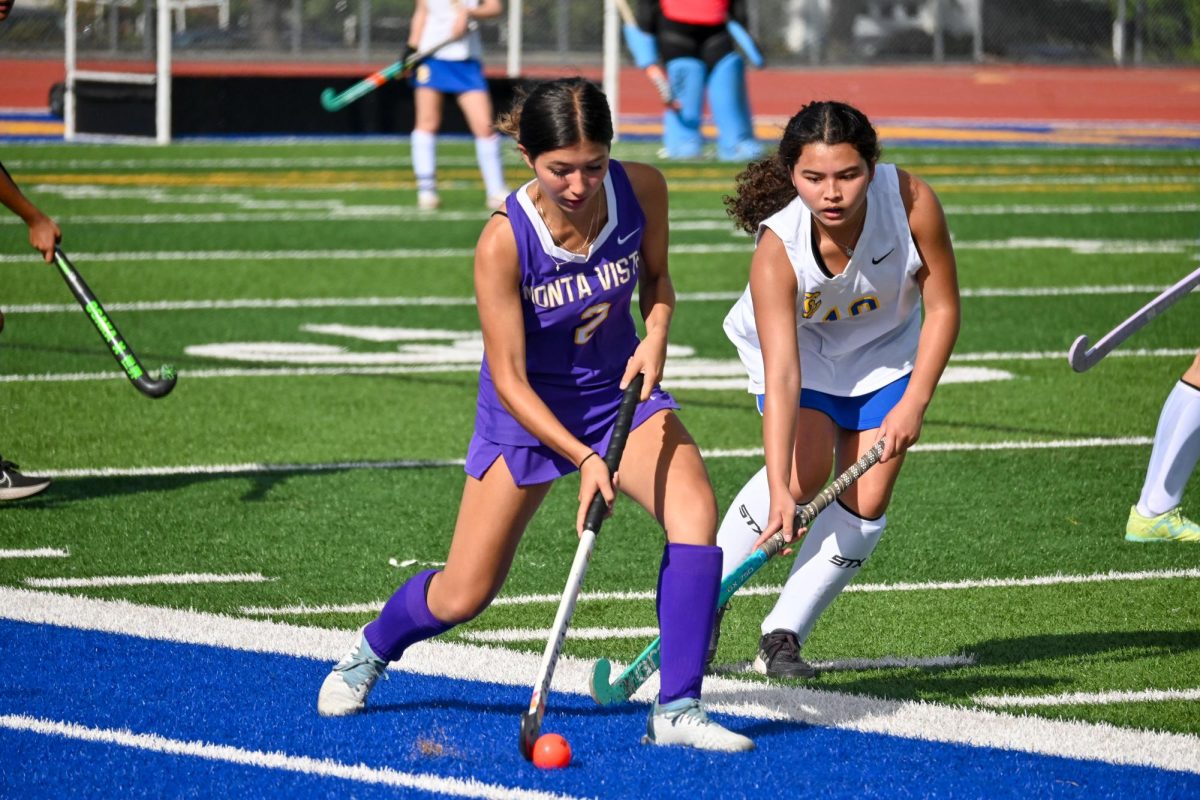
x=405, y=619
x=689, y=582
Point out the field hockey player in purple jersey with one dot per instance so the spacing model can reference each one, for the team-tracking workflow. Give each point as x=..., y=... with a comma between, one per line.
x=555, y=271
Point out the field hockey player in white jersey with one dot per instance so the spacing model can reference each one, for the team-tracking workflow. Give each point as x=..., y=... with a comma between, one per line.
x=446, y=30
x=1158, y=516
x=849, y=253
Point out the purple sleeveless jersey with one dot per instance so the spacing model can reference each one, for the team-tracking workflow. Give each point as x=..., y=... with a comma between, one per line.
x=579, y=329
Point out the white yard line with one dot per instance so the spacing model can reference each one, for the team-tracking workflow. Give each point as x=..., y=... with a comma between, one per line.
x=392, y=158
x=39, y=552
x=287, y=303
x=306, y=610
x=1087, y=698
x=867, y=664
x=750, y=452
x=909, y=719
x=1073, y=209
x=247, y=303
x=503, y=635
x=246, y=256
x=647, y=594
x=319, y=767
x=1042, y=580
x=728, y=368
x=542, y=634
x=1052, y=355
x=255, y=372
x=335, y=211
x=179, y=579
x=1097, y=247
x=1046, y=180
x=244, y=468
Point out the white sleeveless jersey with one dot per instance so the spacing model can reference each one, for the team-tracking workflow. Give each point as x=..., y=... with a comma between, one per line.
x=857, y=331
x=439, y=22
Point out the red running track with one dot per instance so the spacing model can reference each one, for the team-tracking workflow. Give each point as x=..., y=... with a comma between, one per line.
x=968, y=92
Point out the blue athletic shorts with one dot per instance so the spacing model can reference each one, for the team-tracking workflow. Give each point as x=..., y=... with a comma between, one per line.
x=862, y=413
x=449, y=77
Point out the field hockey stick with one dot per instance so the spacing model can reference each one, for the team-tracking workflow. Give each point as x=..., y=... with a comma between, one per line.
x=745, y=43
x=1082, y=358
x=531, y=721
x=645, y=54
x=647, y=662
x=335, y=101
x=121, y=351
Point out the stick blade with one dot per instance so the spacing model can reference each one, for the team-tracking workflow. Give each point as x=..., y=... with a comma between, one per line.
x=603, y=692
x=158, y=388
x=329, y=100
x=531, y=725
x=1077, y=356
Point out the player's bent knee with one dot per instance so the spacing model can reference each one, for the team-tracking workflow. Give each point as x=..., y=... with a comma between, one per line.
x=455, y=608
x=693, y=521
x=866, y=509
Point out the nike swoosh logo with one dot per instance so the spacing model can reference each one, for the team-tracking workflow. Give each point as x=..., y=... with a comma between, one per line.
x=623, y=239
x=882, y=257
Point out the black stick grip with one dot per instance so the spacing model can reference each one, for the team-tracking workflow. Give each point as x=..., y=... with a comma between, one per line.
x=616, y=448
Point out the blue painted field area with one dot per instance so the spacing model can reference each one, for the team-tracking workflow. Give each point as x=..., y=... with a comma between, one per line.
x=422, y=733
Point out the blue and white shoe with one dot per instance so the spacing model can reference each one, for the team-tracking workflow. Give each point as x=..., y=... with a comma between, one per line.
x=346, y=687
x=684, y=722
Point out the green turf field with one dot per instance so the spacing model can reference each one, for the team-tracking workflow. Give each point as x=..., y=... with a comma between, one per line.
x=325, y=337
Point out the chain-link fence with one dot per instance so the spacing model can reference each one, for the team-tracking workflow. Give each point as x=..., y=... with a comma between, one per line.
x=790, y=32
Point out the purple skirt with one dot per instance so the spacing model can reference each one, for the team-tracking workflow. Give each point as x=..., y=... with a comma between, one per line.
x=539, y=464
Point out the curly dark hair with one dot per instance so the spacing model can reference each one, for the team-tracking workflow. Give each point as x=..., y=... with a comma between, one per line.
x=765, y=186
x=556, y=114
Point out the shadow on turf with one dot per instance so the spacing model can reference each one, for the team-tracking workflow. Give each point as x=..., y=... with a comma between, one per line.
x=635, y=711
x=1024, y=651
x=638, y=710
x=65, y=491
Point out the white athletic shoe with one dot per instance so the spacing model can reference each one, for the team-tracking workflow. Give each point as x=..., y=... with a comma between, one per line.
x=684, y=722
x=428, y=201
x=346, y=688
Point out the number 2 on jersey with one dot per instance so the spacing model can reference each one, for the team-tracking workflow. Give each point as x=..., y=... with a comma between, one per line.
x=594, y=315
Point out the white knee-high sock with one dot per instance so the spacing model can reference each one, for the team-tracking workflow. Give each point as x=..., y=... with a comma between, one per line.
x=1175, y=452
x=487, y=153
x=424, y=157
x=743, y=522
x=833, y=551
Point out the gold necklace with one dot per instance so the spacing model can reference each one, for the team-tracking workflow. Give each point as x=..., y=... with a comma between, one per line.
x=849, y=251
x=587, y=242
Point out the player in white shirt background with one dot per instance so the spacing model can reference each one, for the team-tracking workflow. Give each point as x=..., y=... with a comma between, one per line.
x=456, y=68
x=847, y=324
